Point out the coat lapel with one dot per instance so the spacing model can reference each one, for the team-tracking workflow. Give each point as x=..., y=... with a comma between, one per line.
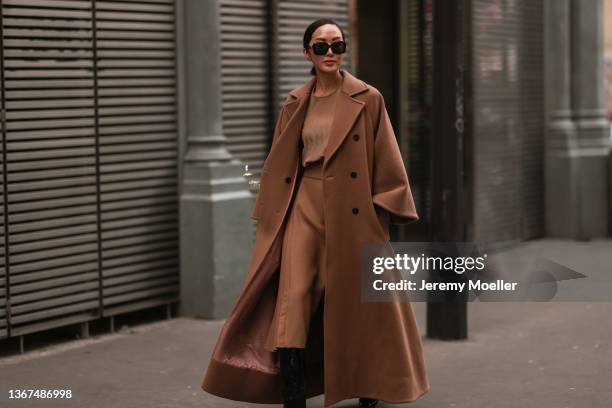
x=347, y=111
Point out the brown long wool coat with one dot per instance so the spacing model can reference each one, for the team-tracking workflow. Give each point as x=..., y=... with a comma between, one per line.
x=369, y=349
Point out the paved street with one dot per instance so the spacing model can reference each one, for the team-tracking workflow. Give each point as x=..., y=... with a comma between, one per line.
x=544, y=355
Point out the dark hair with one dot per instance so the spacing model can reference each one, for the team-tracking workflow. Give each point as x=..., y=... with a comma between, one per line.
x=311, y=29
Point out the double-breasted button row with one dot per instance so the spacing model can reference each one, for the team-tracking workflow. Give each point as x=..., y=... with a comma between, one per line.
x=354, y=175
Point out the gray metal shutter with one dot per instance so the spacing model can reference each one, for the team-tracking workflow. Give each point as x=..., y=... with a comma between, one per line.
x=50, y=162
x=291, y=17
x=245, y=79
x=507, y=61
x=138, y=153
x=3, y=272
x=415, y=113
x=90, y=158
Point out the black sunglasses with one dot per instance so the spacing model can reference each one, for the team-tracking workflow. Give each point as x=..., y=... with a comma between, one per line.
x=320, y=48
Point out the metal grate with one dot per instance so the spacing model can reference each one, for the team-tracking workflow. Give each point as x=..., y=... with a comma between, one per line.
x=245, y=71
x=138, y=153
x=416, y=113
x=508, y=130
x=90, y=155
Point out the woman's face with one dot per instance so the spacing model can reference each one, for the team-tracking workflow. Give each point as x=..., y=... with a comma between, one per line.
x=329, y=62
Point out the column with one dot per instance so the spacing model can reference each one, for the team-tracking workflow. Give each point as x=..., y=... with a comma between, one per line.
x=576, y=140
x=215, y=203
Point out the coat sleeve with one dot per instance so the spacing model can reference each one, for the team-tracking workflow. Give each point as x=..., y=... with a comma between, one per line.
x=277, y=130
x=391, y=189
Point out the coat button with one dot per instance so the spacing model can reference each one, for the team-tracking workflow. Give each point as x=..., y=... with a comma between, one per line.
x=355, y=137
x=355, y=210
x=287, y=179
x=353, y=174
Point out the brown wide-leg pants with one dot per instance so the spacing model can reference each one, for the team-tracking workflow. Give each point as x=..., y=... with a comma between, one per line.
x=302, y=277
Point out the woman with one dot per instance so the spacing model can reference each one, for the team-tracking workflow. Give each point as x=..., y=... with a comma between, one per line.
x=333, y=181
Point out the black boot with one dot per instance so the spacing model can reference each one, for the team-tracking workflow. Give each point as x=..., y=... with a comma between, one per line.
x=367, y=402
x=292, y=371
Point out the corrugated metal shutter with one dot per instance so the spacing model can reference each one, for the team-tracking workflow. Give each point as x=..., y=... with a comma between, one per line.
x=90, y=158
x=291, y=17
x=245, y=66
x=138, y=153
x=50, y=162
x=3, y=272
x=507, y=61
x=416, y=89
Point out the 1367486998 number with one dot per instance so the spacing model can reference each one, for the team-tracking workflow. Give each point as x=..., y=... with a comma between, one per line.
x=39, y=394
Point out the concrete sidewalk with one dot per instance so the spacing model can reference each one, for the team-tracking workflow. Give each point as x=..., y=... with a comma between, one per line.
x=555, y=354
